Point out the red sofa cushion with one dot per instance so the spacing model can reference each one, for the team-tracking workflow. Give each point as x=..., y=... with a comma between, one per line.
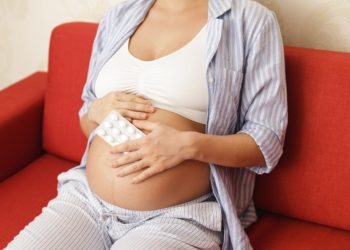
x=312, y=179
x=21, y=106
x=69, y=57
x=22, y=196
x=274, y=232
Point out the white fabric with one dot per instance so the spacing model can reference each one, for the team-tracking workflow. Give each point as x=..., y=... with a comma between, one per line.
x=175, y=82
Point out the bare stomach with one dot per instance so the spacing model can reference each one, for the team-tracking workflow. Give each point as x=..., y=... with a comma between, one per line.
x=182, y=183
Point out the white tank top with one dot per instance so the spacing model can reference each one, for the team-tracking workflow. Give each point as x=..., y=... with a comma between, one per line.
x=175, y=82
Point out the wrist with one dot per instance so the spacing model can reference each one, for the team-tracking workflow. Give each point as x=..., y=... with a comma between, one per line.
x=90, y=118
x=90, y=114
x=191, y=148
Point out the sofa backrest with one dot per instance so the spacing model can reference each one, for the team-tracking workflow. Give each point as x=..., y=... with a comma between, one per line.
x=69, y=56
x=312, y=179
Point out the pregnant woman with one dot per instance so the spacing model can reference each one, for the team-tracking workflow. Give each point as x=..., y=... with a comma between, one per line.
x=204, y=80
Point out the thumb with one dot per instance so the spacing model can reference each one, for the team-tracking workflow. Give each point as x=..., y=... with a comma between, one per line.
x=146, y=125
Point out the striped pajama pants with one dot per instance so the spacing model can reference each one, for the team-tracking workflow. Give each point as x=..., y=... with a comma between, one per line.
x=78, y=219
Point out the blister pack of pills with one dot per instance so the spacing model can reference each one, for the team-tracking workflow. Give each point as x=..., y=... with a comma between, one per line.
x=115, y=129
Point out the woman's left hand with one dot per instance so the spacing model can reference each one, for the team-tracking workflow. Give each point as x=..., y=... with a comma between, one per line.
x=163, y=148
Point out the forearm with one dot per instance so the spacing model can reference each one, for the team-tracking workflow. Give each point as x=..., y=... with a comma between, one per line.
x=237, y=150
x=87, y=125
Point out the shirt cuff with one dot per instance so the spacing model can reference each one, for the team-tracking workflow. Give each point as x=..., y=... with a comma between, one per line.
x=268, y=143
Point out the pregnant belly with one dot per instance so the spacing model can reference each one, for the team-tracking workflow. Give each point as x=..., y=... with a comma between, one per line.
x=184, y=182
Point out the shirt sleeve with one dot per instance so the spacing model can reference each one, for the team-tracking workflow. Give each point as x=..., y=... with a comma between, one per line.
x=264, y=95
x=88, y=94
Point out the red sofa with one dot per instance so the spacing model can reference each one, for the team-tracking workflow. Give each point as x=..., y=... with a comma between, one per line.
x=303, y=204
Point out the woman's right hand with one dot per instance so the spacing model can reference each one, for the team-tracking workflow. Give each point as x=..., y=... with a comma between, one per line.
x=129, y=106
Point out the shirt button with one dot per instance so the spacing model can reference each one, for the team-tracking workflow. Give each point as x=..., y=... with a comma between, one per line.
x=211, y=79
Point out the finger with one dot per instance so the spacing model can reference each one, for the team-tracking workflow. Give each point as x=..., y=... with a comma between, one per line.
x=134, y=106
x=145, y=125
x=111, y=158
x=132, y=114
x=140, y=99
x=132, y=168
x=121, y=96
x=149, y=172
x=128, y=146
x=125, y=159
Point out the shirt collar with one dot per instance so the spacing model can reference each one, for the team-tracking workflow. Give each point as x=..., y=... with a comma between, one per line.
x=218, y=7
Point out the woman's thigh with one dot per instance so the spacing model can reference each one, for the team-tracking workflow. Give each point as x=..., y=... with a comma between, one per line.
x=67, y=222
x=169, y=233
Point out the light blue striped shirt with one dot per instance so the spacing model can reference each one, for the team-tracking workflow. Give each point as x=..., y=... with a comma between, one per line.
x=246, y=86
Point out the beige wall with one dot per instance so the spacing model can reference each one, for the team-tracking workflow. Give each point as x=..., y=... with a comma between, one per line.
x=321, y=24
x=25, y=27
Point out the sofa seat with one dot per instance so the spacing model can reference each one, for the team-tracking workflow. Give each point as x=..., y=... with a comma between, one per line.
x=275, y=232
x=23, y=195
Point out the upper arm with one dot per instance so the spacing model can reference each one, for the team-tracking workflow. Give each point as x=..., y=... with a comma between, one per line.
x=264, y=96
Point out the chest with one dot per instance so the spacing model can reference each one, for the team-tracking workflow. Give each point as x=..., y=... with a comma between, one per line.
x=171, y=80
x=223, y=68
x=163, y=32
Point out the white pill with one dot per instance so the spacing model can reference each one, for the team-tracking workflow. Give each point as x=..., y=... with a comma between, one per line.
x=114, y=117
x=101, y=132
x=115, y=131
x=122, y=124
x=123, y=138
x=108, y=124
x=130, y=130
x=109, y=138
